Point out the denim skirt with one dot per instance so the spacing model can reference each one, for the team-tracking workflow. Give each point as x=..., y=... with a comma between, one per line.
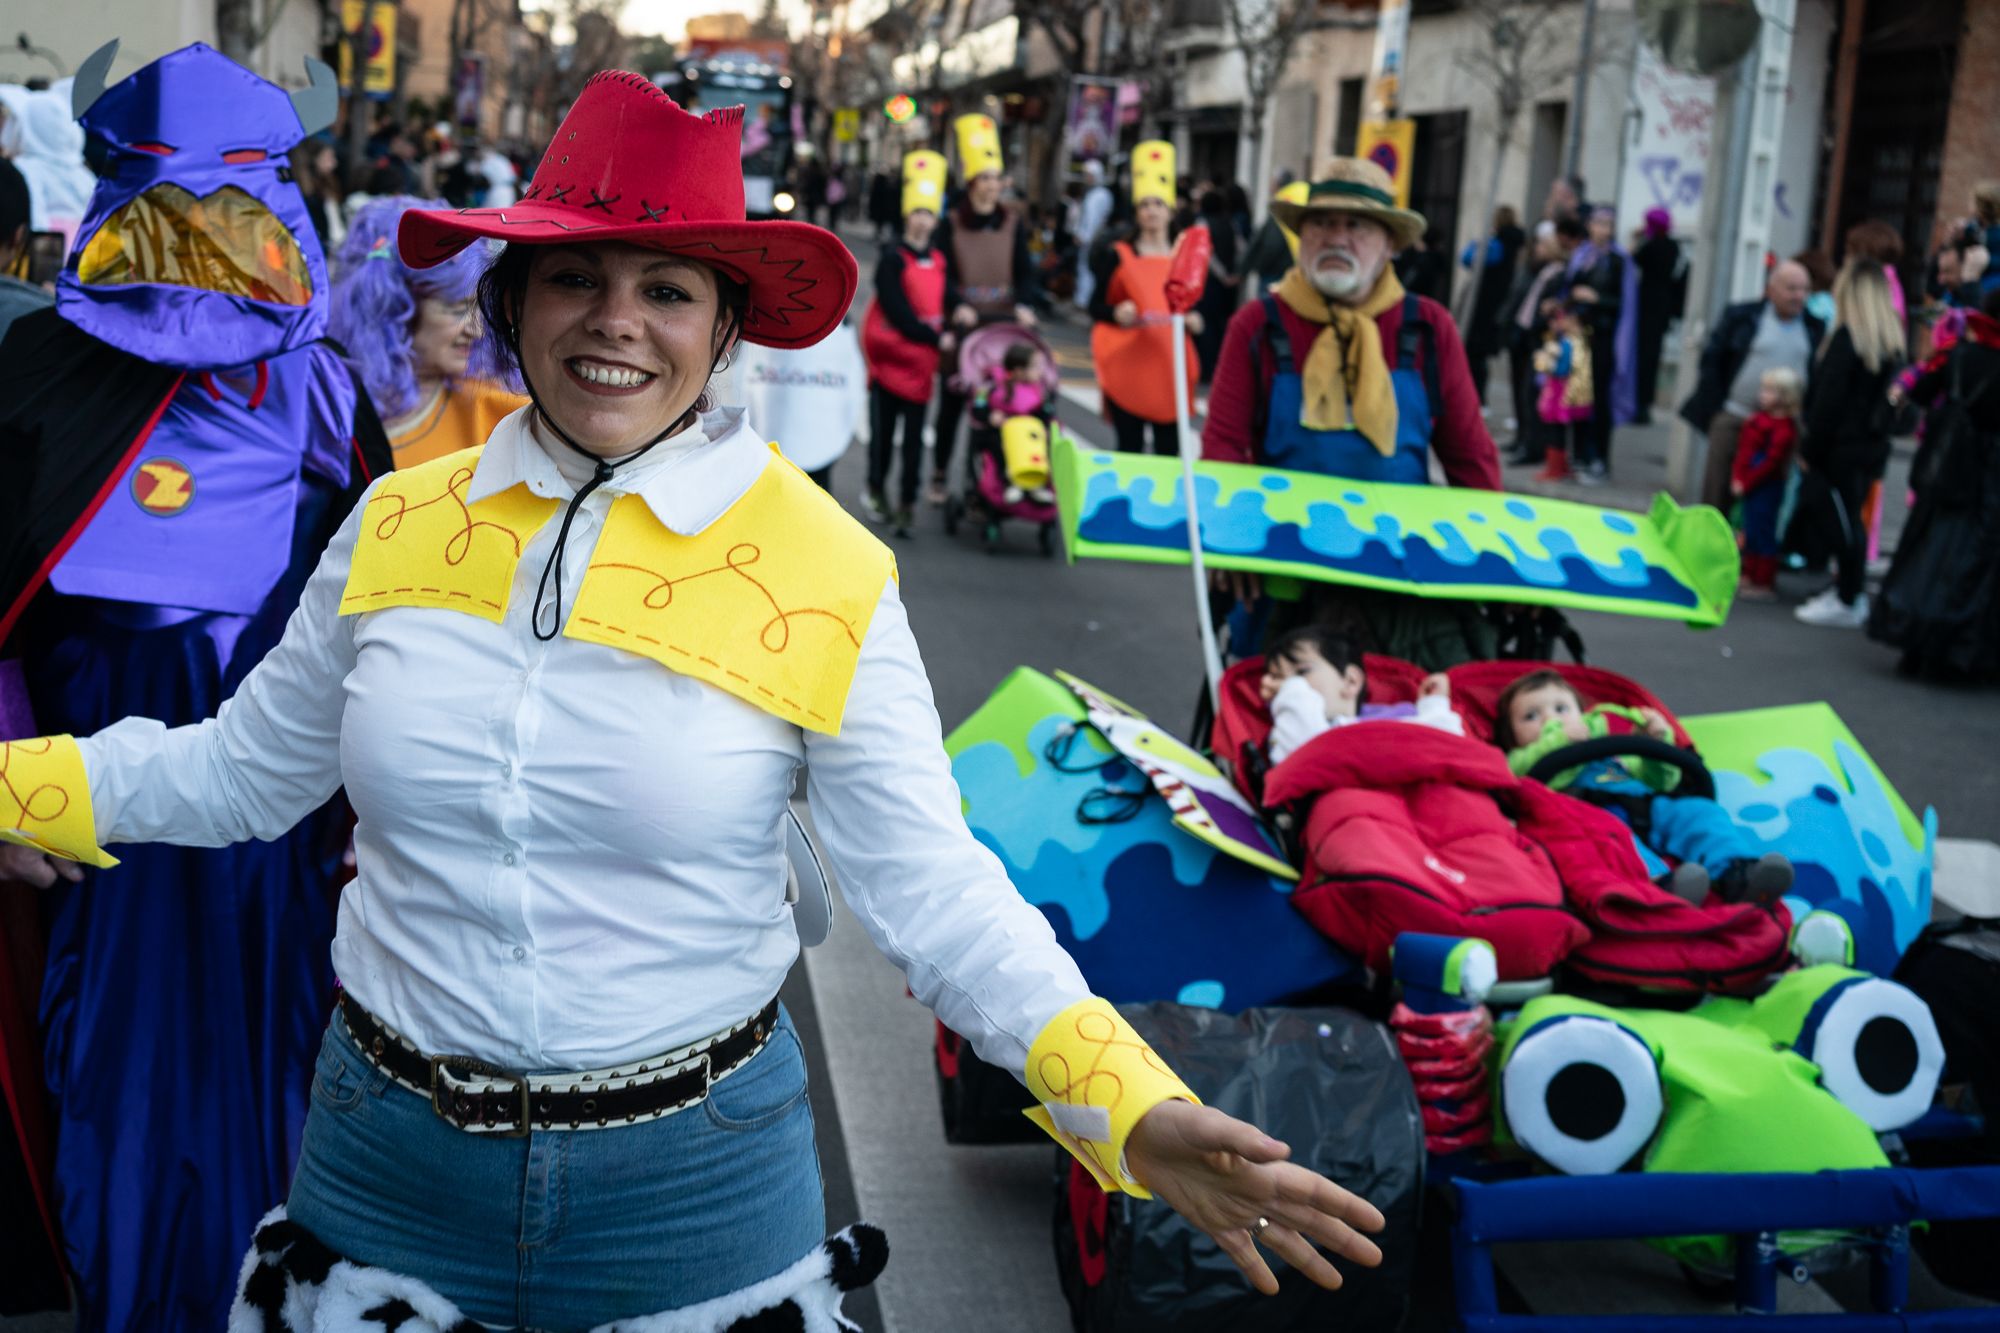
x=565, y=1229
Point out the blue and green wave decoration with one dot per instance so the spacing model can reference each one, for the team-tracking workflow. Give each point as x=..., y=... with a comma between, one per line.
x=1798, y=780
x=1148, y=911
x=1429, y=541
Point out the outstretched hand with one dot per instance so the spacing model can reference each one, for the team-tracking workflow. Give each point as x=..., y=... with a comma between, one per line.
x=38, y=869
x=1224, y=1176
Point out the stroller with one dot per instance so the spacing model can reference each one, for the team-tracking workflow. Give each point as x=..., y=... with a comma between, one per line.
x=983, y=499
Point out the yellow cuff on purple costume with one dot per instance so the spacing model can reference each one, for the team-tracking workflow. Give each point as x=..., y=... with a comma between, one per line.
x=1095, y=1077
x=45, y=800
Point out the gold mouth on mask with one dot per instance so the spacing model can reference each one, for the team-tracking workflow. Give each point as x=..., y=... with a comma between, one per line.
x=226, y=242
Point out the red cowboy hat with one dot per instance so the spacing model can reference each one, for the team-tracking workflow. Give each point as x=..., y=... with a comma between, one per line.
x=628, y=164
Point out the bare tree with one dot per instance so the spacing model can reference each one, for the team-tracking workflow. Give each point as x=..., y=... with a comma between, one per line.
x=240, y=30
x=1142, y=28
x=1265, y=31
x=1528, y=49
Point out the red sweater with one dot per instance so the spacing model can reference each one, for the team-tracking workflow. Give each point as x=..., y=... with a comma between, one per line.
x=1458, y=436
x=1763, y=449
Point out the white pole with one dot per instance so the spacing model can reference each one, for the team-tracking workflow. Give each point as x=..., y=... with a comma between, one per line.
x=1211, y=655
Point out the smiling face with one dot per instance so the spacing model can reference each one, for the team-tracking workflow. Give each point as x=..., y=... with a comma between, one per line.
x=983, y=191
x=442, y=336
x=1153, y=216
x=1531, y=710
x=618, y=341
x=1342, y=254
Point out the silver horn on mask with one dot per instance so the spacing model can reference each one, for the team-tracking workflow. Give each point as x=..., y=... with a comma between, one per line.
x=88, y=85
x=318, y=104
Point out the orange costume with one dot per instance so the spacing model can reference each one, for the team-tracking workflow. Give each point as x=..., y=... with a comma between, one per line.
x=461, y=416
x=1135, y=365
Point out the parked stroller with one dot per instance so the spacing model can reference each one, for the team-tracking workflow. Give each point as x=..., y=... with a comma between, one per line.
x=989, y=497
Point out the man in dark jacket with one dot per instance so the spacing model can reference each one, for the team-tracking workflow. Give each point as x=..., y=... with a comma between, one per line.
x=1750, y=338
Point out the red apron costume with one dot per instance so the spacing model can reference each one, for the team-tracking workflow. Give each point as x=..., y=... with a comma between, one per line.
x=1135, y=365
x=895, y=363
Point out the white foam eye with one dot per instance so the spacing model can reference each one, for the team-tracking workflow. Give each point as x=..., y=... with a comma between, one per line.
x=1582, y=1094
x=1877, y=1049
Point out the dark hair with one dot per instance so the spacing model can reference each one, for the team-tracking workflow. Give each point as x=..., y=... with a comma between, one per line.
x=1819, y=268
x=13, y=201
x=1877, y=240
x=1573, y=227
x=503, y=287
x=1503, y=726
x=1339, y=651
x=1018, y=356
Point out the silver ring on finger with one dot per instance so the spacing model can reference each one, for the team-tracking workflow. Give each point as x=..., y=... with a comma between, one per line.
x=1263, y=1225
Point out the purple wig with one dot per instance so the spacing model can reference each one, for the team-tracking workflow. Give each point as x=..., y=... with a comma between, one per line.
x=375, y=296
x=1658, y=222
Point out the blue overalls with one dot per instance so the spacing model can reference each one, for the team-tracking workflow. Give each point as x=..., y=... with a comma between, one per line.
x=1347, y=453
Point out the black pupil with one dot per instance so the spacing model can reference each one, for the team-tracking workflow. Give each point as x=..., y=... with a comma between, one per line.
x=1886, y=1054
x=1585, y=1101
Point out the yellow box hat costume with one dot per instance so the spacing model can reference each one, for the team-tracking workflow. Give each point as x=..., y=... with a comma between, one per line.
x=978, y=145
x=923, y=182
x=1153, y=172
x=1024, y=443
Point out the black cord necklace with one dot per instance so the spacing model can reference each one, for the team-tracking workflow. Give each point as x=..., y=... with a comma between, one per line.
x=603, y=472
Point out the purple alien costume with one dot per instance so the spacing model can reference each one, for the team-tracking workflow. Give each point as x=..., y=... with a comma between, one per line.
x=188, y=445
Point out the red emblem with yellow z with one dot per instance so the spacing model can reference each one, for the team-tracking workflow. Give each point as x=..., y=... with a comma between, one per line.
x=163, y=486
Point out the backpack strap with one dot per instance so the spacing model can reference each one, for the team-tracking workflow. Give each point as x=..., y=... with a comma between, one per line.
x=1415, y=330
x=1276, y=344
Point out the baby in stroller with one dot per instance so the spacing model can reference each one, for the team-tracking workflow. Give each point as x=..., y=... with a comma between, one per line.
x=1540, y=713
x=1314, y=681
x=1017, y=387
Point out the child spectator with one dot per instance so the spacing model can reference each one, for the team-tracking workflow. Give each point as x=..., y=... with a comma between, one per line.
x=1562, y=368
x=1313, y=682
x=1541, y=713
x=1763, y=465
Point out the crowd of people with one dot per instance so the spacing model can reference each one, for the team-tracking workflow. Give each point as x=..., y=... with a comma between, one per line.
x=514, y=388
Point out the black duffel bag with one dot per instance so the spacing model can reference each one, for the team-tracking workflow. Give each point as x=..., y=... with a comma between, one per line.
x=1326, y=1081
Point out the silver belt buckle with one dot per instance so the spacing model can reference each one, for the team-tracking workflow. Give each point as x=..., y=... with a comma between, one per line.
x=440, y=1077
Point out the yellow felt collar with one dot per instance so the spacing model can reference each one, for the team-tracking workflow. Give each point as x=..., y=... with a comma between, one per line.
x=1345, y=376
x=770, y=602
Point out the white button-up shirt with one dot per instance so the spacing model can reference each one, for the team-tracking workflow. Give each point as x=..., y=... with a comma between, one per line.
x=570, y=856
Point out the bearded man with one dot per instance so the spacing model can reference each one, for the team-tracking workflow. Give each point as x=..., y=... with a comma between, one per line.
x=1339, y=371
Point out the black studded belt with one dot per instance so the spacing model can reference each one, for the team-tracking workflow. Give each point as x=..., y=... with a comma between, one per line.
x=478, y=1098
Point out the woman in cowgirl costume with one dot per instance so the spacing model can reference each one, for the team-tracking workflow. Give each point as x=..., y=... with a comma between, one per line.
x=566, y=680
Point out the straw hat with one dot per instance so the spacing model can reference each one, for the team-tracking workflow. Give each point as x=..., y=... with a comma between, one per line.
x=1358, y=187
x=628, y=164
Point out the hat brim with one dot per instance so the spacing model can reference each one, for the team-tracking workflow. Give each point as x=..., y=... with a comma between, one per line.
x=802, y=279
x=1404, y=225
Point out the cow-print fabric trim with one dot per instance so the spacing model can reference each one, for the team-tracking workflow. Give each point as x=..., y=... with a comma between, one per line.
x=291, y=1283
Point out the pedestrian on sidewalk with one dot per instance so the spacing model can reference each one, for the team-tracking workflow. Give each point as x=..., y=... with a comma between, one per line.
x=1093, y=212
x=1749, y=339
x=1131, y=334
x=1525, y=324
x=1483, y=332
x=1604, y=287
x=1848, y=422
x=1764, y=451
x=1565, y=398
x=989, y=275
x=558, y=1089
x=900, y=339
x=1662, y=297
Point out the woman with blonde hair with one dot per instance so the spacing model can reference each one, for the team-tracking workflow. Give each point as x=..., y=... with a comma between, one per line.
x=1848, y=421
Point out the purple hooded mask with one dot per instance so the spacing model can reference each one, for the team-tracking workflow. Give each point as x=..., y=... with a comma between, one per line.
x=197, y=251
x=197, y=254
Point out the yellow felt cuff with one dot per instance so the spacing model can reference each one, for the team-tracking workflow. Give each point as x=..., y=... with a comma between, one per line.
x=45, y=800
x=1095, y=1077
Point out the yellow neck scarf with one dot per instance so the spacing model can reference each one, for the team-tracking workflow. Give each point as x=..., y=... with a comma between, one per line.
x=1344, y=377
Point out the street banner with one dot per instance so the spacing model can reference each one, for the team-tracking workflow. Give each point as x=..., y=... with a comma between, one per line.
x=1385, y=73
x=1667, y=165
x=380, y=44
x=1389, y=144
x=847, y=124
x=1092, y=124
x=1427, y=541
